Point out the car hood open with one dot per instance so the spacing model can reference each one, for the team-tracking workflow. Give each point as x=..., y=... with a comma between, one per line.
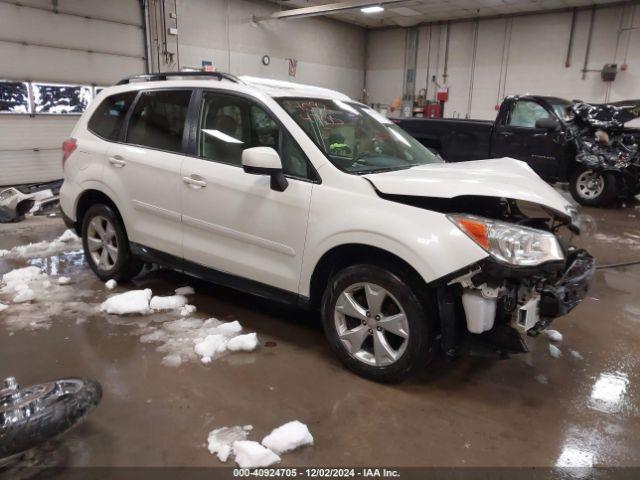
x=503, y=177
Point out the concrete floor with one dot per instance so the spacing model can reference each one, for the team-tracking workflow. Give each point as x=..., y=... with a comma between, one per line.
x=533, y=410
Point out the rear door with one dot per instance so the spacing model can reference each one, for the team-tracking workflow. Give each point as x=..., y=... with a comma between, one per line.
x=516, y=136
x=234, y=222
x=144, y=169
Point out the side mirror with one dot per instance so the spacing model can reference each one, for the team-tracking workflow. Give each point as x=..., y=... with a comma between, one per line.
x=265, y=161
x=549, y=124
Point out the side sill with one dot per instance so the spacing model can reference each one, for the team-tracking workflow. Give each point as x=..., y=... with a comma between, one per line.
x=221, y=278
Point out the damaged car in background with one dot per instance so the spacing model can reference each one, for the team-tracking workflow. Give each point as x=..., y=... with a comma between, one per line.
x=584, y=144
x=36, y=199
x=608, y=166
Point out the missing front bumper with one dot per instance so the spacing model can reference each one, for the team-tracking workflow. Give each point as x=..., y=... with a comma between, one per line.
x=563, y=296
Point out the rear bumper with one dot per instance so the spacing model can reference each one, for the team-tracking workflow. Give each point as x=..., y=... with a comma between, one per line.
x=561, y=297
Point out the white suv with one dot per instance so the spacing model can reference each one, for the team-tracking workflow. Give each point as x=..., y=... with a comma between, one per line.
x=302, y=195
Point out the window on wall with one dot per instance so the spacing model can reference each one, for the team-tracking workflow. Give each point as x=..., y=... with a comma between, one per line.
x=158, y=119
x=14, y=97
x=526, y=113
x=60, y=99
x=108, y=118
x=230, y=124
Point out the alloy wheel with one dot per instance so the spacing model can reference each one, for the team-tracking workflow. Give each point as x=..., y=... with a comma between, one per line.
x=371, y=324
x=102, y=242
x=590, y=184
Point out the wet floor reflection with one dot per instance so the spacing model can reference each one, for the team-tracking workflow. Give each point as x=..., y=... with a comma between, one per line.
x=608, y=394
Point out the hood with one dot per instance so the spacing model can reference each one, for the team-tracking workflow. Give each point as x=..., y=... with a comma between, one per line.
x=503, y=177
x=607, y=115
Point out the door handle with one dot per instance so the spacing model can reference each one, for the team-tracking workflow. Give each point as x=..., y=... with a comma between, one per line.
x=194, y=181
x=505, y=133
x=117, y=161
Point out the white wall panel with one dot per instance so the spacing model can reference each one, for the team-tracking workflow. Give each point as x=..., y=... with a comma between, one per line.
x=536, y=51
x=37, y=44
x=330, y=54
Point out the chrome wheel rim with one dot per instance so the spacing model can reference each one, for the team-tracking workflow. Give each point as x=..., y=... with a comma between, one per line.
x=590, y=184
x=102, y=242
x=371, y=324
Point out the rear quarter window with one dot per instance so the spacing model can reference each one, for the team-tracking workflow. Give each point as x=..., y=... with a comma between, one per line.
x=108, y=118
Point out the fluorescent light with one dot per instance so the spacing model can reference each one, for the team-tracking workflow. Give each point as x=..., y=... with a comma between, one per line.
x=372, y=9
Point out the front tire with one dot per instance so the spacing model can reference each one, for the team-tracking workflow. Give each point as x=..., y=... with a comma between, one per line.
x=592, y=188
x=376, y=324
x=106, y=246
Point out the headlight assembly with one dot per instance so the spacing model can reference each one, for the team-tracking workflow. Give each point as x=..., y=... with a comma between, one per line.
x=509, y=243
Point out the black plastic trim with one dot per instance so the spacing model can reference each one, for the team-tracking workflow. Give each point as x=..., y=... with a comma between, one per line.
x=219, y=277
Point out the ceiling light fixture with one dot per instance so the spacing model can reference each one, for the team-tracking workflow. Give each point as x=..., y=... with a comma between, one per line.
x=372, y=9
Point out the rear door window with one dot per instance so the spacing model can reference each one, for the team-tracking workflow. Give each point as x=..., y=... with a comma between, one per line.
x=108, y=118
x=158, y=120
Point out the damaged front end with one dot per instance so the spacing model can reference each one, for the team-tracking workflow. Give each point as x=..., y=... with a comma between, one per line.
x=603, y=144
x=491, y=307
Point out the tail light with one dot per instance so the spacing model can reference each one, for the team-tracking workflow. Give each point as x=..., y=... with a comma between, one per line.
x=68, y=147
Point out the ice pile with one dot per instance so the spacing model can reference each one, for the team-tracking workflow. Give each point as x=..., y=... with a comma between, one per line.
x=65, y=242
x=23, y=287
x=143, y=302
x=220, y=441
x=190, y=339
x=554, y=336
x=19, y=283
x=133, y=301
x=250, y=454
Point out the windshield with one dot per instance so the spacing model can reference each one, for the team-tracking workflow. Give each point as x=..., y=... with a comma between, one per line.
x=355, y=138
x=562, y=108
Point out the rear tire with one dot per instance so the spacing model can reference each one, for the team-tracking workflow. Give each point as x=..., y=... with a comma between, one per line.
x=593, y=189
x=106, y=246
x=385, y=335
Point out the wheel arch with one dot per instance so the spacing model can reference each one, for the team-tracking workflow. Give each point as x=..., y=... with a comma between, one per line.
x=345, y=255
x=89, y=197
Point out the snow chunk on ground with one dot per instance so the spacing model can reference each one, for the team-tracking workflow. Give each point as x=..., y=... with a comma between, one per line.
x=187, y=310
x=246, y=343
x=553, y=335
x=542, y=379
x=250, y=454
x=172, y=361
x=288, y=437
x=133, y=301
x=111, y=284
x=229, y=329
x=554, y=351
x=64, y=281
x=20, y=276
x=189, y=339
x=3, y=307
x=221, y=440
x=185, y=290
x=575, y=354
x=211, y=345
x=67, y=241
x=168, y=303
x=24, y=295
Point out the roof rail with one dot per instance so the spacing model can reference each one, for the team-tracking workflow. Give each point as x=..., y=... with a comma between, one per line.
x=154, y=77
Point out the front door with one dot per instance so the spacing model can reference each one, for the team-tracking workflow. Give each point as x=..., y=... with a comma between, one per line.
x=234, y=222
x=519, y=138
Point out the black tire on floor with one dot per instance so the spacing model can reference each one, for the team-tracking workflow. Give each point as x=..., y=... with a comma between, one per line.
x=418, y=351
x=27, y=432
x=127, y=265
x=607, y=196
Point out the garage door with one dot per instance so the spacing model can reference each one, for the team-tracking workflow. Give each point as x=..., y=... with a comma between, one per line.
x=50, y=72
